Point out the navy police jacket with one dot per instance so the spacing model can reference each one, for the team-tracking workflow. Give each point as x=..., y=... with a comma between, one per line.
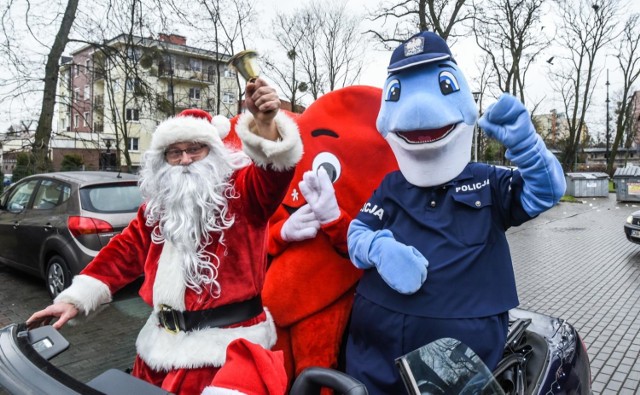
x=460, y=228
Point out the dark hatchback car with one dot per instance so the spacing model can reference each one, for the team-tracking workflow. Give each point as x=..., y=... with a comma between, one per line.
x=53, y=224
x=632, y=227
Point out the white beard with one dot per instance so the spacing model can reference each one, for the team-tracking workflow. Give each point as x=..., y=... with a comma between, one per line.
x=188, y=206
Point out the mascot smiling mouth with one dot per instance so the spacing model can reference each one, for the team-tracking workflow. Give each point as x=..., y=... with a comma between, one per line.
x=426, y=135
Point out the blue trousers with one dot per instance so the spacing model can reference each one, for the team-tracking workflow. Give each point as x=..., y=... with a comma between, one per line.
x=377, y=336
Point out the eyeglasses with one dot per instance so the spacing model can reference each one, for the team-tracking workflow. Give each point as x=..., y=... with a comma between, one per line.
x=175, y=154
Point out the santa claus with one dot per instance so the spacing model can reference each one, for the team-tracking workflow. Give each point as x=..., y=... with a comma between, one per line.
x=199, y=240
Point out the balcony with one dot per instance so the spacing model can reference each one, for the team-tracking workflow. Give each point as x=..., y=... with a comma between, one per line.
x=186, y=75
x=183, y=101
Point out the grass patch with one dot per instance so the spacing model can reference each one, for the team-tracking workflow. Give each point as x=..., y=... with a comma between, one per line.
x=569, y=199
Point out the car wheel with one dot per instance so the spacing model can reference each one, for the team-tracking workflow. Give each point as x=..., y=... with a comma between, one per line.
x=58, y=275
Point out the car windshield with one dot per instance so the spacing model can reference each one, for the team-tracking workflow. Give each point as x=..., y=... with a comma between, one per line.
x=111, y=198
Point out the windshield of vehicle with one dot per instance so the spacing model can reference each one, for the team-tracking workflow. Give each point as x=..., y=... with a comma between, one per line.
x=445, y=367
x=111, y=198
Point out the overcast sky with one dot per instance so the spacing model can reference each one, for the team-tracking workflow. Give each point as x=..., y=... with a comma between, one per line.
x=374, y=72
x=467, y=55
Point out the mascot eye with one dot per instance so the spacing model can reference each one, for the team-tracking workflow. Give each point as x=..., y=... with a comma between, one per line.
x=331, y=164
x=448, y=83
x=392, y=92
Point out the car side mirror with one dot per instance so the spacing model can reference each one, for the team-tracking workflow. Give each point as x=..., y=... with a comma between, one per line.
x=16, y=208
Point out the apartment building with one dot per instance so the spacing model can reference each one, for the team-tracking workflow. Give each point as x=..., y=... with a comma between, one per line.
x=112, y=96
x=552, y=127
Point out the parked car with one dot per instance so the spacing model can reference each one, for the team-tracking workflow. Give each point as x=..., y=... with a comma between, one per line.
x=53, y=224
x=632, y=227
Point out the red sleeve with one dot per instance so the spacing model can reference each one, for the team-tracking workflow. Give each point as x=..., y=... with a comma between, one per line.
x=122, y=260
x=337, y=232
x=263, y=190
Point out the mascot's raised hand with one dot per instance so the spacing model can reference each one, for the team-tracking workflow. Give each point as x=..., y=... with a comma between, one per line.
x=317, y=189
x=509, y=122
x=301, y=225
x=401, y=266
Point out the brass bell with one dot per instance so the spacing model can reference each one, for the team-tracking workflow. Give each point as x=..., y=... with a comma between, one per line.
x=246, y=63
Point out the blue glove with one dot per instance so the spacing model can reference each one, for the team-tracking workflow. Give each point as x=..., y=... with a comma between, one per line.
x=401, y=266
x=508, y=122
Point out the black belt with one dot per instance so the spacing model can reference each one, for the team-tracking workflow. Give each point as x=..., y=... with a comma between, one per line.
x=175, y=321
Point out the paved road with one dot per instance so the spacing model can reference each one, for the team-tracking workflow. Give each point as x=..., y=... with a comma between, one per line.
x=574, y=262
x=571, y=262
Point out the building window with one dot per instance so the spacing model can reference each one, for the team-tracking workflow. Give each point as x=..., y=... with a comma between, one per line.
x=133, y=53
x=133, y=114
x=87, y=64
x=228, y=97
x=195, y=64
x=76, y=119
x=133, y=143
x=77, y=70
x=86, y=119
x=194, y=93
x=76, y=94
x=134, y=84
x=87, y=92
x=228, y=73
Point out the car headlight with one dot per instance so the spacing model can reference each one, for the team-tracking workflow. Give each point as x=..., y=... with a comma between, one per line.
x=630, y=219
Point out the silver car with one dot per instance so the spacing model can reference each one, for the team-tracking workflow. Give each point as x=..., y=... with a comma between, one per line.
x=53, y=224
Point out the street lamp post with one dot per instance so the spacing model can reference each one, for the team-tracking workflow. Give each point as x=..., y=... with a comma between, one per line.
x=476, y=97
x=608, y=135
x=107, y=160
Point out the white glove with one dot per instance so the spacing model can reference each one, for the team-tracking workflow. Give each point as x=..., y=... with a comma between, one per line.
x=318, y=191
x=301, y=225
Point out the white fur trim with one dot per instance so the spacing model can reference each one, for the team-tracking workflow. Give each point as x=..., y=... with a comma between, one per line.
x=220, y=391
x=184, y=128
x=222, y=124
x=433, y=164
x=162, y=350
x=282, y=154
x=86, y=293
x=169, y=285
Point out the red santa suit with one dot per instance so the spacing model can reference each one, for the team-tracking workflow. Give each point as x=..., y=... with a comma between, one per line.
x=310, y=283
x=185, y=362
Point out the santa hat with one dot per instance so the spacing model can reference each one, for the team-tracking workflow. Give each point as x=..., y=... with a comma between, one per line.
x=249, y=369
x=190, y=125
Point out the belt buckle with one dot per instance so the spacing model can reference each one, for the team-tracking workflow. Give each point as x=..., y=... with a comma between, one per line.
x=168, y=309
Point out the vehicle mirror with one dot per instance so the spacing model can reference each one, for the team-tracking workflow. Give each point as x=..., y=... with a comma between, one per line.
x=16, y=208
x=446, y=366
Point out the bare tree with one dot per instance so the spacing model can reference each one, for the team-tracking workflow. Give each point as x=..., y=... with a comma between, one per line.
x=401, y=19
x=509, y=32
x=222, y=24
x=481, y=141
x=584, y=31
x=324, y=48
x=48, y=84
x=122, y=59
x=342, y=47
x=289, y=34
x=629, y=62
